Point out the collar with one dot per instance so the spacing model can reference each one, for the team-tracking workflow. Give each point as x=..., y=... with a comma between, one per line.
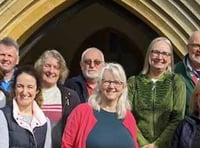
x=192, y=71
x=39, y=118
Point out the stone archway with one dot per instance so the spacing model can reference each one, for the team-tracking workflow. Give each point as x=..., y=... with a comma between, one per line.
x=173, y=19
x=120, y=37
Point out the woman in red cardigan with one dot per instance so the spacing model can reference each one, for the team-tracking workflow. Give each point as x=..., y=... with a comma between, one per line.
x=105, y=121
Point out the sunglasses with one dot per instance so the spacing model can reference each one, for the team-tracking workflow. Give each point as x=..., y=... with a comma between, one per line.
x=96, y=62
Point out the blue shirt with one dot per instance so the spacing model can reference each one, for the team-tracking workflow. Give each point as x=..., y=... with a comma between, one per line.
x=7, y=85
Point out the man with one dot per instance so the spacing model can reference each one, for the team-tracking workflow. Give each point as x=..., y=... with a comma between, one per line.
x=92, y=61
x=189, y=68
x=9, y=58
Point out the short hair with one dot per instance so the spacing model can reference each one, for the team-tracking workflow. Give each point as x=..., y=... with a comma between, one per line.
x=30, y=71
x=193, y=36
x=194, y=108
x=64, y=71
x=146, y=66
x=8, y=41
x=123, y=102
x=90, y=49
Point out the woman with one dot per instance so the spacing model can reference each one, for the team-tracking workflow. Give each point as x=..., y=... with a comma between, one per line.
x=23, y=124
x=158, y=96
x=105, y=121
x=187, y=133
x=58, y=101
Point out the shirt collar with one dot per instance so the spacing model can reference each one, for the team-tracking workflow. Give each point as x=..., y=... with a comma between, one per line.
x=193, y=71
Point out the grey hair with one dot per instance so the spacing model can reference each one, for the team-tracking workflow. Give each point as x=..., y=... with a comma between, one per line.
x=146, y=66
x=90, y=49
x=64, y=71
x=123, y=103
x=8, y=41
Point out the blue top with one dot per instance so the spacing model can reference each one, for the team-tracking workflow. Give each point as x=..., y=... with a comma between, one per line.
x=6, y=85
x=109, y=132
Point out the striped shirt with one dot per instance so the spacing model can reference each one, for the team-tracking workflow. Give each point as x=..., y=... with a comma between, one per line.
x=52, y=104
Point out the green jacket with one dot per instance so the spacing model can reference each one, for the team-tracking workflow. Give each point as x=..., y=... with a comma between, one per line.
x=182, y=69
x=158, y=107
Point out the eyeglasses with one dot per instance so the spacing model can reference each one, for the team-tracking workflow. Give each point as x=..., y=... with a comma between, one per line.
x=114, y=83
x=96, y=62
x=194, y=45
x=163, y=53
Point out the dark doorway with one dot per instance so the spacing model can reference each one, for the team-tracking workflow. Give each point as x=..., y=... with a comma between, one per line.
x=121, y=36
x=116, y=47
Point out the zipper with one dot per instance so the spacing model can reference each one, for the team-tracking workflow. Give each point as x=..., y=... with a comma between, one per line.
x=153, y=96
x=35, y=141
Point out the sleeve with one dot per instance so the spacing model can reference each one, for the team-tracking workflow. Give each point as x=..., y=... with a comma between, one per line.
x=48, y=142
x=4, y=136
x=70, y=84
x=141, y=139
x=73, y=102
x=133, y=128
x=179, y=97
x=75, y=99
x=71, y=130
x=2, y=99
x=131, y=88
x=78, y=87
x=176, y=137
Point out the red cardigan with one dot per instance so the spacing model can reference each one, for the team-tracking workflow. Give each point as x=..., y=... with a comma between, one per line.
x=81, y=121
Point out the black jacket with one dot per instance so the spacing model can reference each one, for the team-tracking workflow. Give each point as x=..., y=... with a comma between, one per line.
x=185, y=132
x=70, y=100
x=78, y=84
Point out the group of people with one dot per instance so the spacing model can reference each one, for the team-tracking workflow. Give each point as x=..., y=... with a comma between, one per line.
x=100, y=108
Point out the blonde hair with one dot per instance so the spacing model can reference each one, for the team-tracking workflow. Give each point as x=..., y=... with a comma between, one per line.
x=123, y=102
x=146, y=66
x=64, y=71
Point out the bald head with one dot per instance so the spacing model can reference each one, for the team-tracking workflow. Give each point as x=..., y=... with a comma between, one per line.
x=195, y=37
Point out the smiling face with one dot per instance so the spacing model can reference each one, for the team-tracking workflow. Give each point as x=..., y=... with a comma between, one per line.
x=92, y=64
x=111, y=88
x=25, y=90
x=8, y=58
x=160, y=57
x=194, y=49
x=50, y=72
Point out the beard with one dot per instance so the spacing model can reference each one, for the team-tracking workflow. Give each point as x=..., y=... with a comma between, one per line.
x=88, y=75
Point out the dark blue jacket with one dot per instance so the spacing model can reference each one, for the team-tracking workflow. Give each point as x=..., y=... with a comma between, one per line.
x=22, y=137
x=185, y=132
x=78, y=84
